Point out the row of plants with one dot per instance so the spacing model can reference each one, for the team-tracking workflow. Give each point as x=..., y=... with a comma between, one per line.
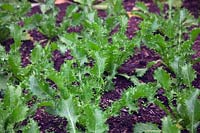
x=95, y=56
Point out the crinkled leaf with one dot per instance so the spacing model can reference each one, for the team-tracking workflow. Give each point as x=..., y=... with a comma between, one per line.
x=71, y=9
x=66, y=109
x=141, y=71
x=92, y=45
x=68, y=39
x=188, y=74
x=35, y=88
x=195, y=33
x=14, y=63
x=67, y=72
x=143, y=90
x=32, y=127
x=17, y=33
x=142, y=6
x=12, y=97
x=47, y=6
x=168, y=126
x=168, y=29
x=95, y=120
x=13, y=110
x=36, y=53
x=193, y=108
x=134, y=93
x=123, y=21
x=100, y=63
x=57, y=78
x=163, y=78
x=18, y=114
x=176, y=64
x=146, y=128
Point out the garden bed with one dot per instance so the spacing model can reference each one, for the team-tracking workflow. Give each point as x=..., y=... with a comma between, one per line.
x=75, y=67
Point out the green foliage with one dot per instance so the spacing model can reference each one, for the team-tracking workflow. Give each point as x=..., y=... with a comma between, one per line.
x=168, y=126
x=11, y=13
x=47, y=24
x=95, y=120
x=31, y=127
x=188, y=109
x=146, y=128
x=163, y=78
x=188, y=74
x=195, y=33
x=12, y=109
x=4, y=33
x=35, y=88
x=66, y=109
x=100, y=64
x=130, y=97
x=164, y=34
x=97, y=54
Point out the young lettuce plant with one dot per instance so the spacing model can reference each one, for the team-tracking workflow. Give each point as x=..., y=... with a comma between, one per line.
x=161, y=33
x=93, y=41
x=11, y=13
x=165, y=36
x=81, y=81
x=13, y=110
x=47, y=20
x=130, y=97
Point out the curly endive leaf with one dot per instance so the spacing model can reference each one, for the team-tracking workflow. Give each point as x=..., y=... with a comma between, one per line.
x=146, y=128
x=163, y=78
x=12, y=109
x=193, y=107
x=66, y=109
x=168, y=126
x=101, y=63
x=188, y=74
x=95, y=120
x=35, y=88
x=32, y=127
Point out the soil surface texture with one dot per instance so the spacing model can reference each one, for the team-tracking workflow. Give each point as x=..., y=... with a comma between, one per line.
x=123, y=123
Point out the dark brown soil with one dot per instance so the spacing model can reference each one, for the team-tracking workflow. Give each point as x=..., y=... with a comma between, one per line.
x=49, y=123
x=142, y=56
x=38, y=37
x=7, y=43
x=132, y=27
x=59, y=58
x=62, y=12
x=196, y=48
x=25, y=51
x=196, y=82
x=129, y=4
x=121, y=84
x=34, y=10
x=125, y=121
x=193, y=6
